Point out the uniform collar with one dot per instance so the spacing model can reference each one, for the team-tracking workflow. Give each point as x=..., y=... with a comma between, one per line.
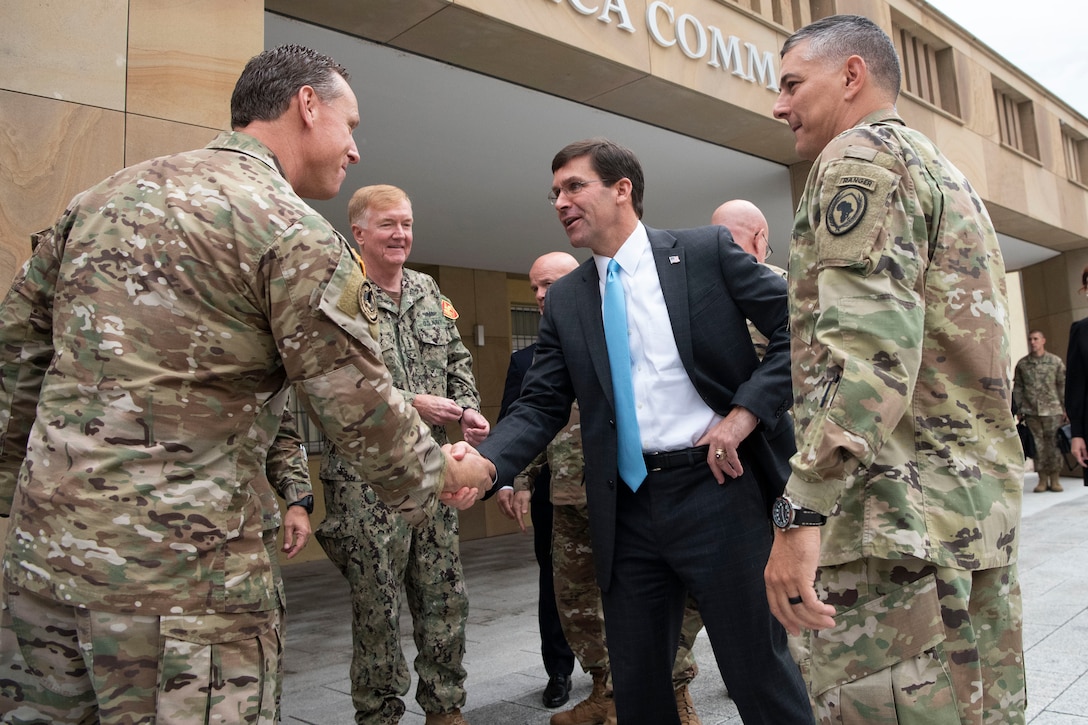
x=248, y=145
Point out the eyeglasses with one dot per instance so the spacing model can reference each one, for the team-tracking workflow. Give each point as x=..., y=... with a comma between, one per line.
x=767, y=240
x=570, y=188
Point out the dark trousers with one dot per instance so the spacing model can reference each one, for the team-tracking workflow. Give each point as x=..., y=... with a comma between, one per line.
x=683, y=532
x=554, y=650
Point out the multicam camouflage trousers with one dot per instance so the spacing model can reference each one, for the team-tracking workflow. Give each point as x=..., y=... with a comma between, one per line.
x=66, y=665
x=917, y=643
x=1044, y=429
x=579, y=599
x=380, y=555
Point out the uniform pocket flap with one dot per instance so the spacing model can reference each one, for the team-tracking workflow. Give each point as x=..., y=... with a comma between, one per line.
x=217, y=628
x=877, y=634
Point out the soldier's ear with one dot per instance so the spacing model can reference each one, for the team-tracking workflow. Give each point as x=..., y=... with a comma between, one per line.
x=855, y=74
x=308, y=105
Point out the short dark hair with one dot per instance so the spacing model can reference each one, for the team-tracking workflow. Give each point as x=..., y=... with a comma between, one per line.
x=610, y=161
x=837, y=37
x=270, y=80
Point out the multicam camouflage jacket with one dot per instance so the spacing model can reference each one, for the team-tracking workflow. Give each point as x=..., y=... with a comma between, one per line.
x=565, y=461
x=1039, y=385
x=424, y=353
x=900, y=357
x=286, y=470
x=144, y=350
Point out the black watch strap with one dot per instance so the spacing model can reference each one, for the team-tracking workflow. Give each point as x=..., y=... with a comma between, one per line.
x=306, y=502
x=808, y=517
x=785, y=515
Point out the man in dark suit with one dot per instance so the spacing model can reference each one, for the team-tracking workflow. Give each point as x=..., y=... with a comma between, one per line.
x=554, y=650
x=691, y=513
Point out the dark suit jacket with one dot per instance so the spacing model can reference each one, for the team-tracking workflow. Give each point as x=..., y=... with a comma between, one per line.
x=710, y=287
x=520, y=362
x=1076, y=378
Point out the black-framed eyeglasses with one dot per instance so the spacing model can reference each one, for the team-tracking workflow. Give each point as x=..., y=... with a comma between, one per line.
x=570, y=188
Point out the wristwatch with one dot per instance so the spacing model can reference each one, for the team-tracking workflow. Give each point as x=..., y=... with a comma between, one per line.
x=785, y=514
x=306, y=502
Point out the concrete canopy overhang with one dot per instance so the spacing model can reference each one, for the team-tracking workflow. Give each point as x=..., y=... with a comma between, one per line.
x=465, y=111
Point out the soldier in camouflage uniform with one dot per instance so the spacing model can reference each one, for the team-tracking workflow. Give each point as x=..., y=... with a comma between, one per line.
x=576, y=591
x=1038, y=390
x=287, y=475
x=905, y=435
x=375, y=550
x=144, y=351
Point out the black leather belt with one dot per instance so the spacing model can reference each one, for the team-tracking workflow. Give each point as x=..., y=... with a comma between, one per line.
x=676, y=459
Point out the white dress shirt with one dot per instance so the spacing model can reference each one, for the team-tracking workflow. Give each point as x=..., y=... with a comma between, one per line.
x=671, y=413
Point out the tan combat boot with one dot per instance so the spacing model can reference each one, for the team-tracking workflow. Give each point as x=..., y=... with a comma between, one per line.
x=597, y=709
x=686, y=708
x=1042, y=484
x=1056, y=482
x=446, y=718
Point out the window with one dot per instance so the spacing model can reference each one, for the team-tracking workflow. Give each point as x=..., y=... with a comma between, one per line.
x=789, y=14
x=1075, y=150
x=1015, y=119
x=929, y=68
x=524, y=323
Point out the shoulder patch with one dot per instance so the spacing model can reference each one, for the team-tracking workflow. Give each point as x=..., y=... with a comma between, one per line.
x=860, y=152
x=349, y=296
x=865, y=182
x=447, y=309
x=846, y=209
x=368, y=300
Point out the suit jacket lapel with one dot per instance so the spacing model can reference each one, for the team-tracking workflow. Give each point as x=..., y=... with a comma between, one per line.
x=673, y=275
x=589, y=309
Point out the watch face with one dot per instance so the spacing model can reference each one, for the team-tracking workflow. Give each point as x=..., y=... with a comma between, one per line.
x=782, y=513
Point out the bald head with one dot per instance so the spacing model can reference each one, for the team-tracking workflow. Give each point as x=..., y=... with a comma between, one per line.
x=747, y=224
x=546, y=270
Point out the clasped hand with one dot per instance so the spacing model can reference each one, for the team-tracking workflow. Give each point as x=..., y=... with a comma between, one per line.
x=468, y=476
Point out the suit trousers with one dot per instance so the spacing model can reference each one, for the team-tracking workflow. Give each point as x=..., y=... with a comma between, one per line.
x=683, y=532
x=554, y=650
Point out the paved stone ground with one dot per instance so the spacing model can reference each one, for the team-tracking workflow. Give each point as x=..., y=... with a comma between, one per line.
x=503, y=659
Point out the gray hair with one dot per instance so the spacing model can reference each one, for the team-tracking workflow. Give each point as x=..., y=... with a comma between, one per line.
x=837, y=37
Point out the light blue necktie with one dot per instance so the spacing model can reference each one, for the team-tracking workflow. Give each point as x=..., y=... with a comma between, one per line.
x=631, y=463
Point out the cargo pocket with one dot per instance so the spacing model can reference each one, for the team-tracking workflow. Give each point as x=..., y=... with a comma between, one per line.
x=221, y=668
x=881, y=664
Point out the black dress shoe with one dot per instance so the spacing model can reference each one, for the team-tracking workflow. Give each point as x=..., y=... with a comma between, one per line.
x=558, y=691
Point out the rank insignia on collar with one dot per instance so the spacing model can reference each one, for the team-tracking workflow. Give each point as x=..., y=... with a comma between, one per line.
x=447, y=309
x=368, y=304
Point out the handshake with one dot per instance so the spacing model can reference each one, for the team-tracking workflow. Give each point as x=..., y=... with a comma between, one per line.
x=469, y=476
